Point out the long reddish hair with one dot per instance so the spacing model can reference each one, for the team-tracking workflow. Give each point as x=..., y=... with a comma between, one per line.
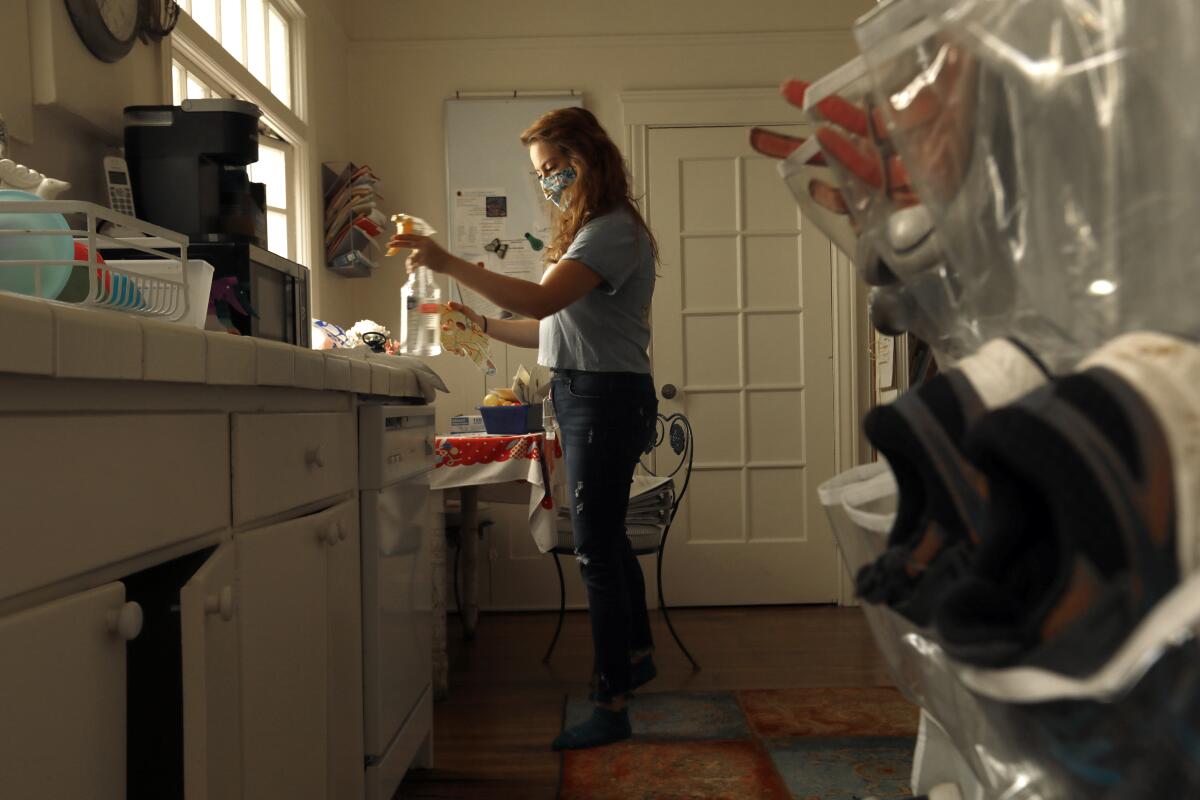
x=603, y=182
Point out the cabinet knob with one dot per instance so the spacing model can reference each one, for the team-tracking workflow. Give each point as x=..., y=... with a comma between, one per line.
x=332, y=534
x=127, y=622
x=313, y=457
x=220, y=603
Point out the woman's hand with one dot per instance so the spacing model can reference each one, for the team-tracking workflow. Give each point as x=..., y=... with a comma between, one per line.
x=468, y=312
x=425, y=252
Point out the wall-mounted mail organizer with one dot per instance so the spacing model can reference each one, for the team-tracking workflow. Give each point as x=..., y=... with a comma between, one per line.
x=44, y=255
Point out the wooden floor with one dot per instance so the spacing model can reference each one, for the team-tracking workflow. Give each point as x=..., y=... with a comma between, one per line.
x=492, y=734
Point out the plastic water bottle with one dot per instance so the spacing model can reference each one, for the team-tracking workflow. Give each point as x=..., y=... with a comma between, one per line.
x=421, y=315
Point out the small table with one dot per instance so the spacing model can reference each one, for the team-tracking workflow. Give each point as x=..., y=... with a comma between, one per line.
x=470, y=460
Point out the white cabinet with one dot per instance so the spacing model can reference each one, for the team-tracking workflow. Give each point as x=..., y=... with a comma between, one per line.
x=301, y=649
x=284, y=647
x=172, y=494
x=62, y=699
x=212, y=744
x=345, y=687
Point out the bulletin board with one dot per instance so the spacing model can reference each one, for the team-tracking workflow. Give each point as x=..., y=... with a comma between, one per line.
x=497, y=214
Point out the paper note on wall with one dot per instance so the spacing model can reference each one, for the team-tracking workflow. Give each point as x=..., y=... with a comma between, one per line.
x=470, y=297
x=480, y=228
x=885, y=362
x=481, y=215
x=520, y=261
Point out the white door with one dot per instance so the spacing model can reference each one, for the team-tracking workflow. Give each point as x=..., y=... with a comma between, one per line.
x=743, y=329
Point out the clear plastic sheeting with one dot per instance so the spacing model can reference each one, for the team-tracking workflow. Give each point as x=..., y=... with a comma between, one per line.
x=897, y=250
x=1028, y=170
x=807, y=179
x=1053, y=142
x=1144, y=742
x=861, y=506
x=1130, y=730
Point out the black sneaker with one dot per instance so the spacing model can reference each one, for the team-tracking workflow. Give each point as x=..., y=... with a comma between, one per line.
x=1083, y=534
x=941, y=495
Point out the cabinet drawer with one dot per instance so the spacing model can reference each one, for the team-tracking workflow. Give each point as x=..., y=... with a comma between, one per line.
x=283, y=461
x=82, y=492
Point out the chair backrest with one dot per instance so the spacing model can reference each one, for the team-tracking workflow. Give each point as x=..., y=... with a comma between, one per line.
x=676, y=431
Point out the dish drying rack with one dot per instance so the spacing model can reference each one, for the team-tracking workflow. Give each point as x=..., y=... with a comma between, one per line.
x=157, y=288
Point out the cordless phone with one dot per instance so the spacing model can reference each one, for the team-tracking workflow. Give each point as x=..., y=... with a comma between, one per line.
x=120, y=192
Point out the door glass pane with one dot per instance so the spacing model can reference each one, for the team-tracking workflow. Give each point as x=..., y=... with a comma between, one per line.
x=205, y=14
x=277, y=233
x=281, y=73
x=271, y=169
x=231, y=28
x=256, y=39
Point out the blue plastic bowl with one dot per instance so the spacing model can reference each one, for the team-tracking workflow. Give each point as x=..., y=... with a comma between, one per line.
x=27, y=248
x=512, y=420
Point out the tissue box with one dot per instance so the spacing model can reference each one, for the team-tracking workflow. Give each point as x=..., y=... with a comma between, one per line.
x=512, y=420
x=467, y=423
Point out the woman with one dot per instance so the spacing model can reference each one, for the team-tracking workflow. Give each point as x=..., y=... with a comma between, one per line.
x=589, y=317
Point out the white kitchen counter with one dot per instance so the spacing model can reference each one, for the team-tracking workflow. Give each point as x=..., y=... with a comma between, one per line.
x=48, y=339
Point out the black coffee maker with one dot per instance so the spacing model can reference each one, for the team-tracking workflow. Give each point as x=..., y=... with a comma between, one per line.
x=187, y=165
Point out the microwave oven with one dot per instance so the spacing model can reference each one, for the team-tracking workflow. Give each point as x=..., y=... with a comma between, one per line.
x=276, y=289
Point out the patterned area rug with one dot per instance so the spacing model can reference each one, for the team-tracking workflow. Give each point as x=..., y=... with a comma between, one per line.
x=782, y=744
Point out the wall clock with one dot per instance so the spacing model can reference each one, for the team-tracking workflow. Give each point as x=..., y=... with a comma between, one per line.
x=108, y=27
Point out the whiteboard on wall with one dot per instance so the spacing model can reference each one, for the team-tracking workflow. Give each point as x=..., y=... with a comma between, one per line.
x=496, y=212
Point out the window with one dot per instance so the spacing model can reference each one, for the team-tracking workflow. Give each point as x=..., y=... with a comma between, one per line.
x=246, y=49
x=273, y=168
x=185, y=85
x=257, y=33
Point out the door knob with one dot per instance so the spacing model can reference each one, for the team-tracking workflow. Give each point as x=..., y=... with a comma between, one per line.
x=126, y=622
x=313, y=457
x=220, y=603
x=669, y=391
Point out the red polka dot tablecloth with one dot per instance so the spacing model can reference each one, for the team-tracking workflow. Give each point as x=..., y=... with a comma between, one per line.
x=478, y=459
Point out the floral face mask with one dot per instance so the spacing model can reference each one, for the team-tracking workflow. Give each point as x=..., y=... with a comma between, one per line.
x=554, y=185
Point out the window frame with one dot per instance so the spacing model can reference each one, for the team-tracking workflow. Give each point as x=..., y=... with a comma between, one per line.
x=205, y=57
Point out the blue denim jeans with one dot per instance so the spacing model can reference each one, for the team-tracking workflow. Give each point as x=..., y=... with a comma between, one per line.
x=607, y=419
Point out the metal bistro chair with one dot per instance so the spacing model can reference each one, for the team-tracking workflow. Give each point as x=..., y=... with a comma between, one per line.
x=646, y=539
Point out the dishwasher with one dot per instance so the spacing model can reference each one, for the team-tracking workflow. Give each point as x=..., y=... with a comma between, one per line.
x=396, y=452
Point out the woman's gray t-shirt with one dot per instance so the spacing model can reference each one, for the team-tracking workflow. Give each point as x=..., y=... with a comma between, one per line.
x=608, y=329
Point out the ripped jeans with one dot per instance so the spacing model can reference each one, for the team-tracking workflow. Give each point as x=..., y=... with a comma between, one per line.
x=607, y=420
